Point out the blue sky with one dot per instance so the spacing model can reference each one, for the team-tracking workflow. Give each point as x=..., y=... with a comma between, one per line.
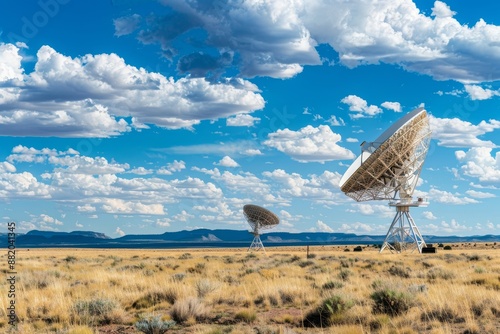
x=133, y=117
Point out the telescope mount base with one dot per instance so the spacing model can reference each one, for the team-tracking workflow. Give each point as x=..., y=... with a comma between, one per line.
x=256, y=244
x=403, y=234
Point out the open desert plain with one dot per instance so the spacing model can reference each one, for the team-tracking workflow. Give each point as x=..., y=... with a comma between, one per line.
x=330, y=290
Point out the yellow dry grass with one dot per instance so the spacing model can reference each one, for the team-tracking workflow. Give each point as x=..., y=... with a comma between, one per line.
x=232, y=291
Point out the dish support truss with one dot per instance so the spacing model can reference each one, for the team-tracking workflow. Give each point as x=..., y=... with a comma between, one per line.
x=403, y=234
x=257, y=244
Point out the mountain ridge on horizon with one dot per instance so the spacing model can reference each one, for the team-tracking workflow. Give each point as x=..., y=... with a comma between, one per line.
x=210, y=237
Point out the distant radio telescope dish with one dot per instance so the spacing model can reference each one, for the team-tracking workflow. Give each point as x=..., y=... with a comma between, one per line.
x=259, y=218
x=388, y=169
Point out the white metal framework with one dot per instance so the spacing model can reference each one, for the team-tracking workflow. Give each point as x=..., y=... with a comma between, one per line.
x=256, y=244
x=259, y=218
x=403, y=233
x=389, y=168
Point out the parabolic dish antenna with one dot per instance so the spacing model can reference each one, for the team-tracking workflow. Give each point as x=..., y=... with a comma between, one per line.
x=388, y=169
x=259, y=218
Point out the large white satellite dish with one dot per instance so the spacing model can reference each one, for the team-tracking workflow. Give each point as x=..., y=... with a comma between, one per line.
x=389, y=168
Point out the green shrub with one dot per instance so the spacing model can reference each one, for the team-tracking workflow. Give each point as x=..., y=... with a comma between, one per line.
x=445, y=315
x=399, y=271
x=391, y=302
x=447, y=247
x=70, y=259
x=344, y=264
x=155, y=297
x=178, y=277
x=437, y=272
x=185, y=256
x=344, y=274
x=332, y=285
x=304, y=264
x=247, y=316
x=329, y=312
x=154, y=325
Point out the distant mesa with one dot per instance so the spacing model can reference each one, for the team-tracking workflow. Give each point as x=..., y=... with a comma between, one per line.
x=210, y=237
x=204, y=238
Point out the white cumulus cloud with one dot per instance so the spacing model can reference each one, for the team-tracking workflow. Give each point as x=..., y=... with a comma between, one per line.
x=360, y=106
x=478, y=162
x=479, y=93
x=227, y=161
x=318, y=144
x=242, y=120
x=322, y=227
x=89, y=96
x=453, y=132
x=394, y=106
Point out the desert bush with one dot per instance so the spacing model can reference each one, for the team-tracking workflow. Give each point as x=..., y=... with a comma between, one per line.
x=70, y=259
x=204, y=287
x=304, y=264
x=287, y=297
x=178, y=277
x=332, y=285
x=259, y=300
x=155, y=297
x=199, y=268
x=94, y=310
x=479, y=270
x=154, y=325
x=228, y=259
x=344, y=263
x=273, y=300
x=329, y=312
x=358, y=249
x=36, y=280
x=391, y=301
x=189, y=308
x=447, y=247
x=399, y=271
x=185, y=256
x=379, y=321
x=247, y=316
x=445, y=315
x=311, y=256
x=473, y=257
x=416, y=288
x=438, y=272
x=344, y=274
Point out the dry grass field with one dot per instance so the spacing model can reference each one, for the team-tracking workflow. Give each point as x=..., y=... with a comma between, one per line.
x=83, y=291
